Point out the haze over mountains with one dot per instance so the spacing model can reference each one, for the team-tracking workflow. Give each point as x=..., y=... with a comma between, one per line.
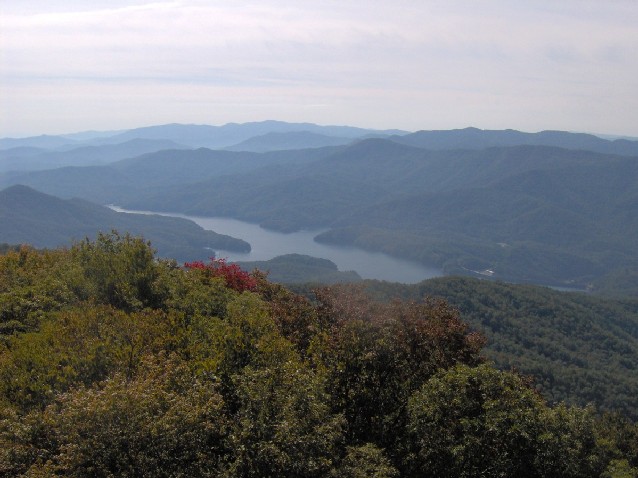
x=30, y=158
x=552, y=207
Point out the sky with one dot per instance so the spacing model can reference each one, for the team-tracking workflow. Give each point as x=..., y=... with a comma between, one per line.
x=531, y=65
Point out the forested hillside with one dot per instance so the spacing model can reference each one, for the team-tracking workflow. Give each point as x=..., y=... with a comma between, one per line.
x=148, y=174
x=113, y=363
x=298, y=268
x=30, y=217
x=580, y=348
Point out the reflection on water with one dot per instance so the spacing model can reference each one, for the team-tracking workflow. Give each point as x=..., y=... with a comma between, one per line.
x=268, y=244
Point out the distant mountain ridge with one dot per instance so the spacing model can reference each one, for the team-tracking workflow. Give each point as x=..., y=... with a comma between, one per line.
x=230, y=135
x=43, y=141
x=474, y=138
x=194, y=136
x=33, y=159
x=287, y=141
x=218, y=137
x=90, y=148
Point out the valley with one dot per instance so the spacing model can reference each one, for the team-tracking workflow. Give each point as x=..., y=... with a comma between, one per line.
x=564, y=204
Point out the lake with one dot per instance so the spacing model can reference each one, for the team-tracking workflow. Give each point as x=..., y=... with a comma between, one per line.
x=267, y=244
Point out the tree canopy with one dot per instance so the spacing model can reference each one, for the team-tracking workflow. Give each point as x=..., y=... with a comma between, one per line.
x=115, y=363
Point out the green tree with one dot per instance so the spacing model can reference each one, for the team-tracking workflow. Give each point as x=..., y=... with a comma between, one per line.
x=164, y=423
x=571, y=445
x=283, y=425
x=377, y=355
x=365, y=461
x=79, y=347
x=478, y=421
x=32, y=283
x=120, y=271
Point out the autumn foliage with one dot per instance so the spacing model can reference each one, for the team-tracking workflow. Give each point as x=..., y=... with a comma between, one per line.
x=235, y=277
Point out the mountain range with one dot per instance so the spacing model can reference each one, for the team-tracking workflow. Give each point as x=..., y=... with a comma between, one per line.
x=194, y=136
x=474, y=138
x=551, y=207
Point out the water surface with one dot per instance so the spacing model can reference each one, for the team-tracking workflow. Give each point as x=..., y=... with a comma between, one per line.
x=267, y=244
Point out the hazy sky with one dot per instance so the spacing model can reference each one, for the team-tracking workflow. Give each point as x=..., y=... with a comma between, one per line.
x=69, y=66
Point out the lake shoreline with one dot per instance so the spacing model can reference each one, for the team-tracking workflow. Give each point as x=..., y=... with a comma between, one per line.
x=267, y=244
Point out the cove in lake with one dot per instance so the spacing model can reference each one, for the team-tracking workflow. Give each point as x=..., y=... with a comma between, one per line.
x=266, y=244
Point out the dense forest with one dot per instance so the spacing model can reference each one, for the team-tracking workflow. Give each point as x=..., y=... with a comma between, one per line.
x=580, y=348
x=115, y=363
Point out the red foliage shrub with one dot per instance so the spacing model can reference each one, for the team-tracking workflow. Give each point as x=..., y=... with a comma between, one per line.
x=235, y=277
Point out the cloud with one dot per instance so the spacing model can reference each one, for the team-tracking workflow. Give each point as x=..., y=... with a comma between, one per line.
x=483, y=58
